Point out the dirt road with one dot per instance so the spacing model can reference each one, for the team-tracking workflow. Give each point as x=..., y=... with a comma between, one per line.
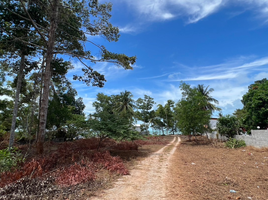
x=147, y=180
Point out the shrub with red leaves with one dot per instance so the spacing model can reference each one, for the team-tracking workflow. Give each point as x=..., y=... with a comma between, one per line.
x=113, y=164
x=69, y=152
x=126, y=146
x=32, y=169
x=75, y=174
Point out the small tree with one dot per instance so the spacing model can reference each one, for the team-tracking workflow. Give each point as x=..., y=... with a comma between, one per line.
x=107, y=123
x=190, y=112
x=228, y=126
x=145, y=112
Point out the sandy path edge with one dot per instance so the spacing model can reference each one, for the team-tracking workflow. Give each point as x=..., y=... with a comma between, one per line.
x=147, y=180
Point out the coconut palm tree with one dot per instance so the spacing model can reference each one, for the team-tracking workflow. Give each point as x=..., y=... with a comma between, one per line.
x=205, y=91
x=125, y=104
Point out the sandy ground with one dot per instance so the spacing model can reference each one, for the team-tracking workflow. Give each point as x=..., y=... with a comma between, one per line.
x=210, y=171
x=147, y=181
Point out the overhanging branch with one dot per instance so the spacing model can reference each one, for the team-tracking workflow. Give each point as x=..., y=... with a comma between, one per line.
x=34, y=24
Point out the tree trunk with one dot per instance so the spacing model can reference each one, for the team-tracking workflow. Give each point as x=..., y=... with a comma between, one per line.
x=16, y=103
x=47, y=77
x=40, y=95
x=190, y=137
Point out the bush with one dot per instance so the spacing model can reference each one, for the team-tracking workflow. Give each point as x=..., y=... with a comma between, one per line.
x=3, y=133
x=9, y=159
x=75, y=174
x=234, y=143
x=228, y=125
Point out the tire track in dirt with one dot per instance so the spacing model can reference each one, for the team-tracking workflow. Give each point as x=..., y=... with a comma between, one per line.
x=147, y=181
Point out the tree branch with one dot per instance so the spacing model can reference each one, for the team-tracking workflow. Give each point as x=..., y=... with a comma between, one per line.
x=25, y=18
x=16, y=38
x=84, y=63
x=34, y=24
x=87, y=58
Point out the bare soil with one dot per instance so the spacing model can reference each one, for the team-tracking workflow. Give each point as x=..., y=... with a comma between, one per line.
x=210, y=171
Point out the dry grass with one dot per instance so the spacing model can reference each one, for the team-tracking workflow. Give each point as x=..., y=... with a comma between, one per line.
x=209, y=171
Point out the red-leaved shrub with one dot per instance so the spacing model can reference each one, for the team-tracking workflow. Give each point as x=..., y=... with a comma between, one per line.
x=113, y=164
x=75, y=174
x=31, y=169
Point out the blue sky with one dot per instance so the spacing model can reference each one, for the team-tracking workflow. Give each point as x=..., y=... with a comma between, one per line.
x=220, y=43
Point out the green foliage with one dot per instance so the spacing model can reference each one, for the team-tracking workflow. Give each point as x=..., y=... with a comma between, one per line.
x=2, y=131
x=170, y=119
x=58, y=27
x=158, y=124
x=234, y=143
x=9, y=159
x=256, y=105
x=124, y=104
x=205, y=91
x=144, y=129
x=77, y=126
x=65, y=112
x=6, y=103
x=106, y=122
x=240, y=114
x=228, y=126
x=164, y=117
x=145, y=112
x=190, y=112
x=144, y=107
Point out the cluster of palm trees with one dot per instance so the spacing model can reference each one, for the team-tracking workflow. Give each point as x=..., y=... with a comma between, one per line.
x=126, y=105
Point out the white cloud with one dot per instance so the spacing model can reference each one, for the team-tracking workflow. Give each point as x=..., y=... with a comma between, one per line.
x=128, y=29
x=77, y=66
x=197, y=10
x=88, y=103
x=139, y=93
x=135, y=66
x=167, y=16
x=230, y=80
x=153, y=77
x=260, y=6
x=211, y=77
x=261, y=76
x=157, y=10
x=192, y=10
x=171, y=92
x=109, y=70
x=228, y=94
x=230, y=108
x=256, y=63
x=238, y=68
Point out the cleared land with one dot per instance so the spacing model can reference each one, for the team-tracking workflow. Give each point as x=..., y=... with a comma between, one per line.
x=209, y=171
x=160, y=169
